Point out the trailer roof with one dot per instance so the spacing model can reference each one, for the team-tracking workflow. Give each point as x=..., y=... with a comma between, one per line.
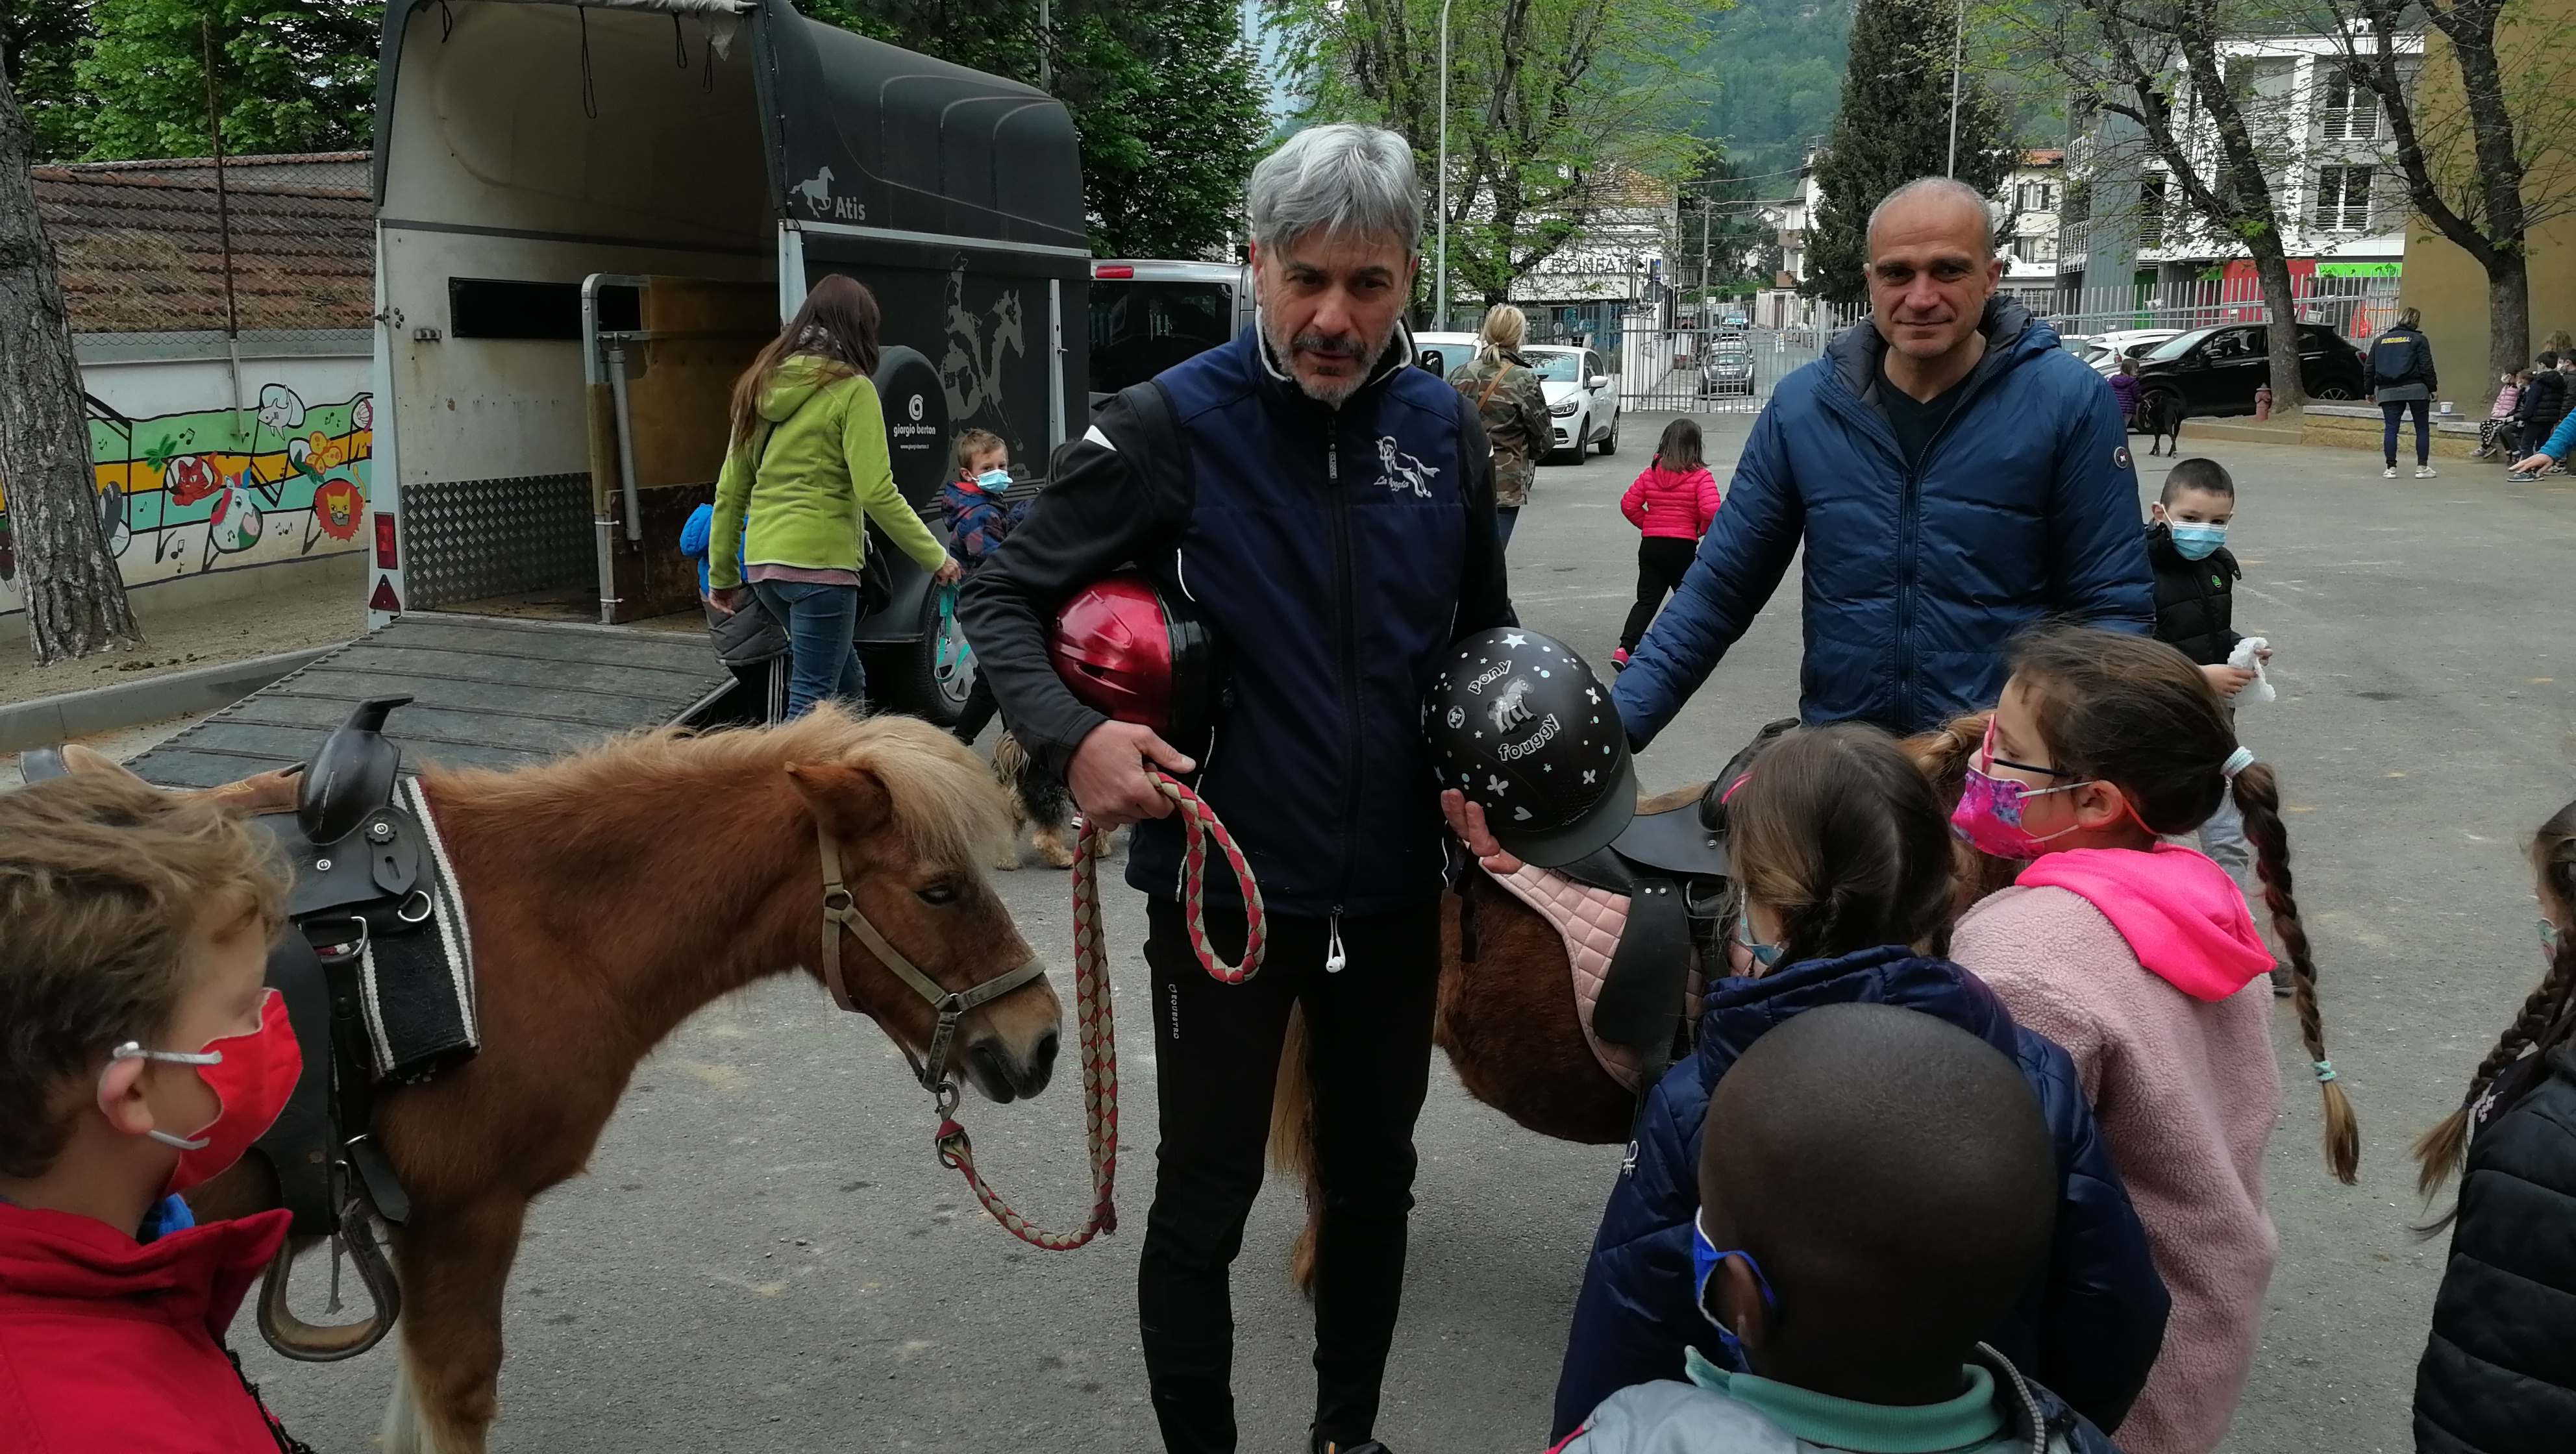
x=864, y=134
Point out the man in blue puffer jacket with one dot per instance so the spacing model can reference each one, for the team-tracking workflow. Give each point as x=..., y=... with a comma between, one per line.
x=1331, y=509
x=2089, y=1330
x=1955, y=476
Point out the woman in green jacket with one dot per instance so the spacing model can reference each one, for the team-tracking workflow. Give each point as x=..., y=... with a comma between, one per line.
x=807, y=455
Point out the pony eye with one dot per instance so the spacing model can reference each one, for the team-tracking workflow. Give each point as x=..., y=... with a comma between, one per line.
x=939, y=894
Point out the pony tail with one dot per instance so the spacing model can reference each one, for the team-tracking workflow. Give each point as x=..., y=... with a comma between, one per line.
x=1943, y=752
x=2258, y=796
x=2439, y=1151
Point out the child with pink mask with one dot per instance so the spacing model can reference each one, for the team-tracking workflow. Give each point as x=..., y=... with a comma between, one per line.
x=2138, y=956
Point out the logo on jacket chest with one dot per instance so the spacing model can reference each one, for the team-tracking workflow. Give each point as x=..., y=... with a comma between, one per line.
x=1402, y=470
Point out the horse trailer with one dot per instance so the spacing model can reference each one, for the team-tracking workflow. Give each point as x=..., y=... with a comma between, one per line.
x=590, y=217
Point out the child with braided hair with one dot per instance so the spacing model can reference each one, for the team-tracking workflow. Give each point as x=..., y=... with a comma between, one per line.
x=2138, y=956
x=2499, y=1372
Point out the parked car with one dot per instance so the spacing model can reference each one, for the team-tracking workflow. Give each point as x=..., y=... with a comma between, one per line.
x=1444, y=353
x=1582, y=398
x=2216, y=370
x=1728, y=369
x=2105, y=350
x=1733, y=320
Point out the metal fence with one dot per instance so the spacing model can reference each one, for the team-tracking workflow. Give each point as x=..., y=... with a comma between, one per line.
x=1667, y=362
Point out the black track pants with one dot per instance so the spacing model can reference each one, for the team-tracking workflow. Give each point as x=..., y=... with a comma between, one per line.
x=1217, y=1047
x=1662, y=561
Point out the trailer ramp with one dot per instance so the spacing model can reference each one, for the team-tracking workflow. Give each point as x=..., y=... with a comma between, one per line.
x=487, y=692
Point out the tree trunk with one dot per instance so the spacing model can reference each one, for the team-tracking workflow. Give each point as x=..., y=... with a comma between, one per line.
x=75, y=596
x=2272, y=268
x=2508, y=318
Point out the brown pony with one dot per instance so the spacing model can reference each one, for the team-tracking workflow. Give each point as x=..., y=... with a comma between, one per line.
x=613, y=893
x=1507, y=1018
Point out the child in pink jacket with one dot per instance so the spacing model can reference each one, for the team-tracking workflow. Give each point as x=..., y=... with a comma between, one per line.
x=2138, y=956
x=1671, y=505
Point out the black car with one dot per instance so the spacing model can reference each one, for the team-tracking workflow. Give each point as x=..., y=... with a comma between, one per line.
x=1728, y=369
x=2216, y=370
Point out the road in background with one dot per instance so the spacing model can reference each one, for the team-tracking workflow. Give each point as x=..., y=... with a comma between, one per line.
x=766, y=1256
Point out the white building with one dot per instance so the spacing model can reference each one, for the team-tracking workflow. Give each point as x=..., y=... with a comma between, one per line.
x=1622, y=254
x=2034, y=190
x=2329, y=165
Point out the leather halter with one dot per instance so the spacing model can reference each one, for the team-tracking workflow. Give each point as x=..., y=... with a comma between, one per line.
x=841, y=908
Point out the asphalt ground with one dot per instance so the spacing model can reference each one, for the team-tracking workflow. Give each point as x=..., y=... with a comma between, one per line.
x=766, y=1256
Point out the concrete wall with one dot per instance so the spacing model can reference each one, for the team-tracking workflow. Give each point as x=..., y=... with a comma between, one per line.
x=2444, y=281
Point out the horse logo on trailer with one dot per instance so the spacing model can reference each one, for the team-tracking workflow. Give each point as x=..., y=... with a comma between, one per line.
x=817, y=192
x=970, y=374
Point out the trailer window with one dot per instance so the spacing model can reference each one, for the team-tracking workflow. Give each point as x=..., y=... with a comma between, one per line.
x=1140, y=329
x=504, y=308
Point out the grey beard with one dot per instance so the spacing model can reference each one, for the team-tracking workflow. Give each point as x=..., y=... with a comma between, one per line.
x=1333, y=395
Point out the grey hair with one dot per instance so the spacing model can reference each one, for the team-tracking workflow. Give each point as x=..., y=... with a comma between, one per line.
x=1348, y=179
x=1952, y=189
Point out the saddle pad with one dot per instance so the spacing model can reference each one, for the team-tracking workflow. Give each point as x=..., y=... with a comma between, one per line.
x=418, y=988
x=1589, y=920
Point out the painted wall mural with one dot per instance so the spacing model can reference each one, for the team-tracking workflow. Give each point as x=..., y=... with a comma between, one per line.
x=189, y=493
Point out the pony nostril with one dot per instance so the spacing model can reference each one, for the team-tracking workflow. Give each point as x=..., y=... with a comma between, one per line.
x=1043, y=1061
x=992, y=1071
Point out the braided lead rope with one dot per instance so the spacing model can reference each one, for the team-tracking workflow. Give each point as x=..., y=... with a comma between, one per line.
x=1093, y=1026
x=1199, y=824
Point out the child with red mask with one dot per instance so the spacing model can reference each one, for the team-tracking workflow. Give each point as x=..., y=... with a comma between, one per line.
x=2138, y=956
x=140, y=1055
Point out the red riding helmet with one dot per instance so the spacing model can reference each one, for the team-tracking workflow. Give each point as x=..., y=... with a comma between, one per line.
x=1128, y=649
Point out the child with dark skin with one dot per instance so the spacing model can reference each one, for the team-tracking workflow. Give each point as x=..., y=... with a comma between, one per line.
x=1876, y=1188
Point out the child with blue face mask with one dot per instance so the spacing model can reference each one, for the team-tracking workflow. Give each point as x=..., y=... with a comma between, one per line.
x=2195, y=603
x=1875, y=1188
x=1843, y=864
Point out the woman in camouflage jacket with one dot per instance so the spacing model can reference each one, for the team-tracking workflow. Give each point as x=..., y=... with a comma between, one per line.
x=1506, y=392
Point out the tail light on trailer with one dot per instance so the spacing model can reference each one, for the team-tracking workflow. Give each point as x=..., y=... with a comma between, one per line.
x=385, y=556
x=1113, y=270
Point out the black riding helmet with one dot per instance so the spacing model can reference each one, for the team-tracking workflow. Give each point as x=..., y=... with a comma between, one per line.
x=1520, y=724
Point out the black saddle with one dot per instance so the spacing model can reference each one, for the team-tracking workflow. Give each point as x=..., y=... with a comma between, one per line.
x=1672, y=867
x=360, y=875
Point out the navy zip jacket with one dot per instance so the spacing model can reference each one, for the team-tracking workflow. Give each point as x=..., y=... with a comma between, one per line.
x=2023, y=506
x=1339, y=551
x=2089, y=1329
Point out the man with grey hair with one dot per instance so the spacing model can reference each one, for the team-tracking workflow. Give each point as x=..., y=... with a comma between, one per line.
x=1330, y=509
x=1954, y=475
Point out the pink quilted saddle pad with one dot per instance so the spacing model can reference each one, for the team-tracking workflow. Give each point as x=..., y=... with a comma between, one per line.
x=1589, y=920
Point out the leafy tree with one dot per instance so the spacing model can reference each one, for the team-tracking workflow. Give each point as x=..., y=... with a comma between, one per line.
x=40, y=41
x=2481, y=152
x=2220, y=147
x=292, y=75
x=1162, y=92
x=1894, y=126
x=1556, y=109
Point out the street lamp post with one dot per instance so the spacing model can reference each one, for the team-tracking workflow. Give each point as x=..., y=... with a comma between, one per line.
x=1440, y=266
x=1958, y=56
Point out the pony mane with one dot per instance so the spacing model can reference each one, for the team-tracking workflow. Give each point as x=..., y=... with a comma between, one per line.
x=945, y=801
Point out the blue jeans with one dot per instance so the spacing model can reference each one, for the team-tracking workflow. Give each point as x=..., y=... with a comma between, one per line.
x=2395, y=409
x=1505, y=517
x=821, y=623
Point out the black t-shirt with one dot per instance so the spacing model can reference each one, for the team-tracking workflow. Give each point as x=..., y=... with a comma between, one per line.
x=1916, y=422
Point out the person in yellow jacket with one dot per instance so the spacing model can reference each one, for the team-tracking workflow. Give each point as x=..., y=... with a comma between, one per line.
x=806, y=456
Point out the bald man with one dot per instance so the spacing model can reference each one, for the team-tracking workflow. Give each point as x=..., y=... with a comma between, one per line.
x=1955, y=476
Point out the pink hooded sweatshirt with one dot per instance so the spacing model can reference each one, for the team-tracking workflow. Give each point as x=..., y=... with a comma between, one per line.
x=2147, y=968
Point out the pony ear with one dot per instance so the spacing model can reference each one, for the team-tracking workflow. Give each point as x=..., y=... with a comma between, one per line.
x=850, y=802
x=89, y=760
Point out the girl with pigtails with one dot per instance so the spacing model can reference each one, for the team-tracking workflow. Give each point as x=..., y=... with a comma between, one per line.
x=2499, y=1373
x=2138, y=956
